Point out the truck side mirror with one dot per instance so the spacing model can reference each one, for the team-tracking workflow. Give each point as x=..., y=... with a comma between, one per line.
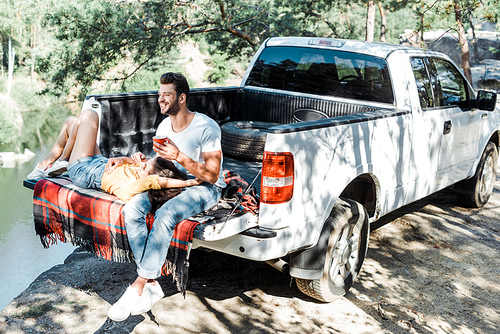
x=486, y=100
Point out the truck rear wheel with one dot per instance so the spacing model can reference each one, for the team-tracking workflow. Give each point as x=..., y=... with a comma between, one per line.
x=345, y=253
x=478, y=189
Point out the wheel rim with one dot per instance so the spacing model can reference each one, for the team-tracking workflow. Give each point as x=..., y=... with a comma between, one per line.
x=345, y=253
x=486, y=176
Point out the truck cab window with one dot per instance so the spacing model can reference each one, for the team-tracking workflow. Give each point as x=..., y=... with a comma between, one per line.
x=422, y=79
x=452, y=84
x=323, y=72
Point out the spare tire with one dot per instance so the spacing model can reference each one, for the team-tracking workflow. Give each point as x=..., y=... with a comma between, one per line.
x=245, y=139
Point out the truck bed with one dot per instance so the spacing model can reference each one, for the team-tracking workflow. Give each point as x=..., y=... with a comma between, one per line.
x=247, y=170
x=223, y=223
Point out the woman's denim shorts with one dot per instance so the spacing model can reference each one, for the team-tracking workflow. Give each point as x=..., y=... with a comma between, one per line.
x=87, y=172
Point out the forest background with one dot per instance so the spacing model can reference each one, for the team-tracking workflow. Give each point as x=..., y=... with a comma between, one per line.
x=54, y=53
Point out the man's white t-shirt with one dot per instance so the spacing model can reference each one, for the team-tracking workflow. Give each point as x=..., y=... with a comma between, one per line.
x=202, y=135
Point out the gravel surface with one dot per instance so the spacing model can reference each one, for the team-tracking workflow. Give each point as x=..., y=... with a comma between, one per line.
x=432, y=267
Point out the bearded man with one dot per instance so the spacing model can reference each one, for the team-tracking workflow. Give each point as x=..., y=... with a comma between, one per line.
x=194, y=145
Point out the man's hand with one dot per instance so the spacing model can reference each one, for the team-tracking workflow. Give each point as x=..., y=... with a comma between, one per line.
x=207, y=171
x=138, y=157
x=168, y=151
x=112, y=164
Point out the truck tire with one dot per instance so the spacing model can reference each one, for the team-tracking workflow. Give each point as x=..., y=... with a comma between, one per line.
x=345, y=253
x=245, y=140
x=476, y=192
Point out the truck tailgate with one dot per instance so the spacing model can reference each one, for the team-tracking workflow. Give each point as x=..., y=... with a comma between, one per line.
x=226, y=224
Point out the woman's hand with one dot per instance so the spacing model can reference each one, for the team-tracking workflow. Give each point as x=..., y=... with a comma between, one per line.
x=112, y=164
x=138, y=157
x=194, y=182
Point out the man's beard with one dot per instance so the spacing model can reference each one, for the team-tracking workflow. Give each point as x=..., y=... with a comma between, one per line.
x=173, y=109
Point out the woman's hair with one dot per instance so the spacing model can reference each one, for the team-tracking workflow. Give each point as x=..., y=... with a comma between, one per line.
x=165, y=168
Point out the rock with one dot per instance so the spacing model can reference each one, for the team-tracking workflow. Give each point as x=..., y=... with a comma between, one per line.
x=9, y=159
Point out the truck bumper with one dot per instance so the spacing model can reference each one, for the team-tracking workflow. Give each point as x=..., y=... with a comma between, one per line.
x=257, y=247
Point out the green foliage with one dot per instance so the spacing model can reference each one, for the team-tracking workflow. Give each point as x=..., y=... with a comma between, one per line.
x=101, y=40
x=43, y=123
x=73, y=44
x=221, y=69
x=148, y=79
x=320, y=18
x=8, y=131
x=39, y=114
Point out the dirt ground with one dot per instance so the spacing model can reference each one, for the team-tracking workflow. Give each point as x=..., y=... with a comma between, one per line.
x=432, y=267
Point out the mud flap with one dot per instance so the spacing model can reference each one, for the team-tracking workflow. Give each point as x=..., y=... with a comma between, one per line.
x=309, y=263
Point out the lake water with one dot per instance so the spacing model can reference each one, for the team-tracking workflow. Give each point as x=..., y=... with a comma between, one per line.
x=22, y=256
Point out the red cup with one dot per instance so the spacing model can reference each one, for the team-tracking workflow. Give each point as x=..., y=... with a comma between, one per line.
x=160, y=139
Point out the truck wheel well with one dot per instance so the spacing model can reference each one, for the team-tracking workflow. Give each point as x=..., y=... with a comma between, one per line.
x=364, y=190
x=495, y=139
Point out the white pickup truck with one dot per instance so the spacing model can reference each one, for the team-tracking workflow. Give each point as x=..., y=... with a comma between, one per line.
x=337, y=133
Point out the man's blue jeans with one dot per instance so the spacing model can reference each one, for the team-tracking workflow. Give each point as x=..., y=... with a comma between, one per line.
x=150, y=249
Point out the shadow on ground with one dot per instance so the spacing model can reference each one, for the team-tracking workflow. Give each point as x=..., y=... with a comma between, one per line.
x=431, y=268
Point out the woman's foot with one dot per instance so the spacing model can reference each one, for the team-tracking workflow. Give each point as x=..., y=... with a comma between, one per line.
x=57, y=168
x=39, y=172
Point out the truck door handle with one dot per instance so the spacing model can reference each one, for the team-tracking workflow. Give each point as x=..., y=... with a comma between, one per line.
x=447, y=127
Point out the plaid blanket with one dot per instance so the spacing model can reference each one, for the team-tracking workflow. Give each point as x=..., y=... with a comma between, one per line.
x=93, y=219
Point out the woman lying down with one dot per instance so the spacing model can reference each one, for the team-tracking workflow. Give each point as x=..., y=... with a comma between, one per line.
x=76, y=151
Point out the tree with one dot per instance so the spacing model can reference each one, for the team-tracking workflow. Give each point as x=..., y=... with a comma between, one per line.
x=383, y=23
x=462, y=40
x=370, y=21
x=10, y=72
x=111, y=40
x=6, y=19
x=98, y=36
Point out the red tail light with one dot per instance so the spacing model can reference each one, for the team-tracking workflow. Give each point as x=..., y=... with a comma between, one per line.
x=277, y=177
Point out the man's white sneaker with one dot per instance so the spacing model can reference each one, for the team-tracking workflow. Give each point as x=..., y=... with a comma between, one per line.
x=151, y=294
x=121, y=309
x=57, y=168
x=37, y=173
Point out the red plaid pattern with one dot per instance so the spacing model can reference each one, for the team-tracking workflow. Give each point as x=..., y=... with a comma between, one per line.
x=93, y=219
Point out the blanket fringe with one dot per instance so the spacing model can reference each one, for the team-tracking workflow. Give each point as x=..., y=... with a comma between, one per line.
x=102, y=251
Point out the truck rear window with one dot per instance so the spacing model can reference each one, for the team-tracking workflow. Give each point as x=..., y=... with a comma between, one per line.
x=323, y=72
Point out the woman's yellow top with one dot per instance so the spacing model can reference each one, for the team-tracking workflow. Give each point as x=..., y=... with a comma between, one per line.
x=124, y=182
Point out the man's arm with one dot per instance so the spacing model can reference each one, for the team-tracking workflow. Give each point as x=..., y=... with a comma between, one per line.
x=207, y=171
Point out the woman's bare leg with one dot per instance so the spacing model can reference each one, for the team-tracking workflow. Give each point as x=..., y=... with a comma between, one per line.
x=70, y=143
x=83, y=138
x=59, y=147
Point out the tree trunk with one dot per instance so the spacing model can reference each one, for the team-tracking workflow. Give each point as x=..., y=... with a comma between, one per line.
x=422, y=22
x=383, y=25
x=462, y=39
x=33, y=46
x=10, y=66
x=1, y=52
x=370, y=21
x=474, y=39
